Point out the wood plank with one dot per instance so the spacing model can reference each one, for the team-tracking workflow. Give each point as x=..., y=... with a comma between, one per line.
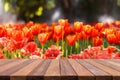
x=22, y=73
x=6, y=66
x=10, y=65
x=100, y=64
x=99, y=74
x=39, y=72
x=115, y=60
x=67, y=72
x=16, y=68
x=112, y=64
x=5, y=61
x=82, y=72
x=53, y=71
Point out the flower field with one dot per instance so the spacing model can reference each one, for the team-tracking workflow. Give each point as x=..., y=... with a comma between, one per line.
x=60, y=40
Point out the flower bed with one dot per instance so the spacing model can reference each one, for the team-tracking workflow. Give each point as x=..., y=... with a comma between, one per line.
x=60, y=40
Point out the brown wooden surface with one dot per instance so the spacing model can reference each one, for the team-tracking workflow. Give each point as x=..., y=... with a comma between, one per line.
x=67, y=69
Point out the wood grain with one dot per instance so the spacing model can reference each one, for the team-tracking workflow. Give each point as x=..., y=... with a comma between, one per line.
x=107, y=67
x=67, y=72
x=82, y=72
x=22, y=73
x=10, y=65
x=53, y=71
x=39, y=72
x=5, y=61
x=99, y=74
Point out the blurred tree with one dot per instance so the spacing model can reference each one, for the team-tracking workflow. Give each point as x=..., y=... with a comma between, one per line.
x=28, y=9
x=74, y=10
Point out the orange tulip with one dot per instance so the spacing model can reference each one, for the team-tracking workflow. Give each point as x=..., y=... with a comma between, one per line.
x=35, y=29
x=111, y=49
x=30, y=48
x=87, y=29
x=3, y=32
x=43, y=37
x=58, y=30
x=94, y=33
x=28, y=33
x=57, y=38
x=118, y=35
x=97, y=41
x=84, y=35
x=68, y=30
x=18, y=39
x=79, y=35
x=112, y=39
x=1, y=54
x=17, y=35
x=29, y=24
x=63, y=22
x=99, y=26
x=78, y=26
x=107, y=31
x=117, y=23
x=71, y=39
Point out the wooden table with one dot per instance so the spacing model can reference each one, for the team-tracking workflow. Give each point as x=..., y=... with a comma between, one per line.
x=67, y=69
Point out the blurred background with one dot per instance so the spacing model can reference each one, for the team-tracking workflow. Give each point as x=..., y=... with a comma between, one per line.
x=88, y=11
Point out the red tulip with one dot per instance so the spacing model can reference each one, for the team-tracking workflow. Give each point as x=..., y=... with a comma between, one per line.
x=117, y=23
x=78, y=26
x=18, y=39
x=30, y=48
x=43, y=37
x=53, y=52
x=65, y=26
x=3, y=32
x=58, y=30
x=87, y=29
x=97, y=41
x=3, y=41
x=94, y=33
x=35, y=29
x=37, y=52
x=118, y=35
x=111, y=49
x=17, y=35
x=11, y=46
x=63, y=22
x=107, y=31
x=71, y=39
x=79, y=35
x=68, y=30
x=112, y=39
x=28, y=33
x=116, y=55
x=84, y=35
x=57, y=38
x=29, y=24
x=99, y=26
x=1, y=54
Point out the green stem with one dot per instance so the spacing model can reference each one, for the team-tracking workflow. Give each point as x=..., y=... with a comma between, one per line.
x=42, y=47
x=63, y=42
x=57, y=43
x=70, y=49
x=63, y=47
x=77, y=46
x=66, y=53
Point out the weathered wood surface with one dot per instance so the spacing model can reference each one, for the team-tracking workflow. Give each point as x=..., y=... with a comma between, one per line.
x=67, y=69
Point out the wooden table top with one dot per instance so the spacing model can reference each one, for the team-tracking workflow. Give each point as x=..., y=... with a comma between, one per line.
x=67, y=69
